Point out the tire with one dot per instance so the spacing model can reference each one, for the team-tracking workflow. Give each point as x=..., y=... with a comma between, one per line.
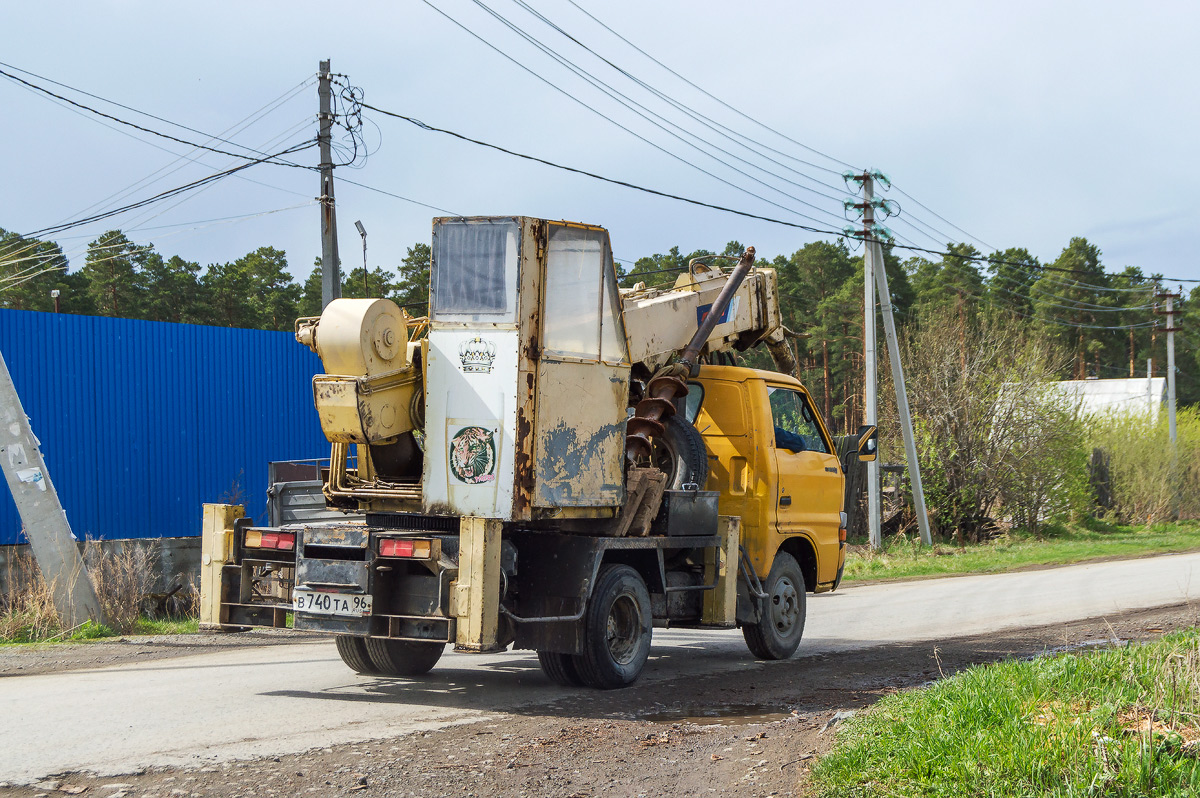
x=353, y=651
x=560, y=668
x=617, y=627
x=778, y=634
x=680, y=454
x=403, y=657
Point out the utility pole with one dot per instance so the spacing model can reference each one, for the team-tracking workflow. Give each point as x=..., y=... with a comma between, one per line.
x=42, y=515
x=906, y=427
x=870, y=390
x=331, y=279
x=54, y=295
x=876, y=279
x=1170, y=330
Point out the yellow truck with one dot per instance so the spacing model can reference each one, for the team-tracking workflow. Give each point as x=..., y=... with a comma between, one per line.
x=548, y=462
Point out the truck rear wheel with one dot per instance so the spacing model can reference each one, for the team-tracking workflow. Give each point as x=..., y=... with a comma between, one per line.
x=560, y=668
x=778, y=632
x=353, y=651
x=617, y=629
x=403, y=657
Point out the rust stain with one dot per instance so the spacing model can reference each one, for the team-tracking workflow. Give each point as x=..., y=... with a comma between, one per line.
x=523, y=463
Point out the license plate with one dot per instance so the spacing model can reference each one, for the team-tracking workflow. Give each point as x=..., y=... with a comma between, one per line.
x=318, y=602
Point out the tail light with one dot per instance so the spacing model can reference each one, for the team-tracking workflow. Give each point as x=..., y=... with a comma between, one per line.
x=842, y=535
x=412, y=548
x=258, y=539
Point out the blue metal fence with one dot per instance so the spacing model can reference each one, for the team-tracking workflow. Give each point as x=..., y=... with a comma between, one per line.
x=141, y=422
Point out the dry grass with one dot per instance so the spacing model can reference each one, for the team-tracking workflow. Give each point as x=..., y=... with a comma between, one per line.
x=27, y=612
x=122, y=578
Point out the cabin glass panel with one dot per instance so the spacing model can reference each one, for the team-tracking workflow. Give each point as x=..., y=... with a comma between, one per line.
x=574, y=266
x=475, y=270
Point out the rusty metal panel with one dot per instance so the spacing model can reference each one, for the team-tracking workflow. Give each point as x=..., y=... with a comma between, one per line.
x=660, y=322
x=142, y=422
x=580, y=434
x=533, y=255
x=299, y=502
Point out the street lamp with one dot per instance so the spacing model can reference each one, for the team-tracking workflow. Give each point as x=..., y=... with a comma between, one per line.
x=362, y=231
x=54, y=295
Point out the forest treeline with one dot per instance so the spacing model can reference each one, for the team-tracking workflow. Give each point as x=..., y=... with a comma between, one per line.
x=1101, y=321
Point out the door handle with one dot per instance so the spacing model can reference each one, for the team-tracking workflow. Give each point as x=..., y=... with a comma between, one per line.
x=785, y=501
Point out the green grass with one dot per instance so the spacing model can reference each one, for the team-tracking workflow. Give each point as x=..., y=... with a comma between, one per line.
x=1059, y=546
x=1114, y=722
x=91, y=631
x=167, y=626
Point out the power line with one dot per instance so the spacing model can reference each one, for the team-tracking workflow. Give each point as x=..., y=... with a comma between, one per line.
x=612, y=121
x=233, y=129
x=166, y=194
x=823, y=231
x=745, y=116
x=306, y=82
x=663, y=123
x=595, y=176
x=275, y=141
x=944, y=219
x=89, y=109
x=707, y=121
x=397, y=196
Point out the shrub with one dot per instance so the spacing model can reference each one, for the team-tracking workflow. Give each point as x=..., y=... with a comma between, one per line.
x=1042, y=468
x=989, y=435
x=1148, y=485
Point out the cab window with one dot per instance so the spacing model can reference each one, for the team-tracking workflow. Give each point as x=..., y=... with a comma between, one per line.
x=796, y=427
x=691, y=403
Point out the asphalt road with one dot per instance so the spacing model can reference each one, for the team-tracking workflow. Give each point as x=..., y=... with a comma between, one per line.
x=254, y=702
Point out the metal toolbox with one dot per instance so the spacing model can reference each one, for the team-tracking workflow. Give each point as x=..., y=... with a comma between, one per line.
x=687, y=512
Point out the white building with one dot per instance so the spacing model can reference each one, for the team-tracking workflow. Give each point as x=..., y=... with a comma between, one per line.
x=1136, y=395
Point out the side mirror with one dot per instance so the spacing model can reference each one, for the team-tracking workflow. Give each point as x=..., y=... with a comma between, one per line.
x=868, y=443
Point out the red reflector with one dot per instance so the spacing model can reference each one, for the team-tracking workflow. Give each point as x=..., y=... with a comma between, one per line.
x=842, y=535
x=271, y=540
x=396, y=548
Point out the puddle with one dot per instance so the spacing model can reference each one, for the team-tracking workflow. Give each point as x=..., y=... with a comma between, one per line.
x=727, y=715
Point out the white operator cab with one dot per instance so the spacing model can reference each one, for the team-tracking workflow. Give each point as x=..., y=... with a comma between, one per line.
x=527, y=372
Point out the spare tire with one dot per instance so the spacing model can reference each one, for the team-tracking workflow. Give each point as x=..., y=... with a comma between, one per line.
x=680, y=454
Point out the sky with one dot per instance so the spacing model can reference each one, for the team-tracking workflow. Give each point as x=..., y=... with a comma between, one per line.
x=1000, y=124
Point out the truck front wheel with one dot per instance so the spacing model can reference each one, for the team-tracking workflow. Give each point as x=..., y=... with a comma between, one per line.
x=403, y=657
x=779, y=629
x=617, y=629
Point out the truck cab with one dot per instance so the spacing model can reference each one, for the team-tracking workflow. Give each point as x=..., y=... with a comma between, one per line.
x=774, y=465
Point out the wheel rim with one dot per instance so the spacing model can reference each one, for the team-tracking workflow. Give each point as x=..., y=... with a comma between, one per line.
x=785, y=606
x=664, y=457
x=624, y=630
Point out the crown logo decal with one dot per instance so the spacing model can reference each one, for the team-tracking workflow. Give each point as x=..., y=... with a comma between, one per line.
x=477, y=355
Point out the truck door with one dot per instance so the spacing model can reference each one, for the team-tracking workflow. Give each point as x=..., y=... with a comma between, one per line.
x=809, y=498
